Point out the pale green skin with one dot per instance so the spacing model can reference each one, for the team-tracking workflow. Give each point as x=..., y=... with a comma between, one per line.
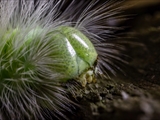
x=76, y=52
x=84, y=56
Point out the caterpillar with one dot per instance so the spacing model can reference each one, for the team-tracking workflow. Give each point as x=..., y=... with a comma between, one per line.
x=45, y=43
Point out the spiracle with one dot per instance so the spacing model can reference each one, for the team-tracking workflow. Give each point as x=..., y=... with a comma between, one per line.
x=45, y=43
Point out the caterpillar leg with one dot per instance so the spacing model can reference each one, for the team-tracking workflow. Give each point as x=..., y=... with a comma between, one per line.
x=87, y=77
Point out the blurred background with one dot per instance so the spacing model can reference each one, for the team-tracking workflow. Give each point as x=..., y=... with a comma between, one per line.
x=134, y=96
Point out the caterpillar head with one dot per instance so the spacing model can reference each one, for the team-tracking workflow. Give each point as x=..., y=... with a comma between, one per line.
x=43, y=46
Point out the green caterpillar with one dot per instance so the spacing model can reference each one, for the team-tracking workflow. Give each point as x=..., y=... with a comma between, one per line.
x=75, y=49
x=42, y=46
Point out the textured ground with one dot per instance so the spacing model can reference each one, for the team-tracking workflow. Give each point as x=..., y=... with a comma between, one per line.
x=135, y=96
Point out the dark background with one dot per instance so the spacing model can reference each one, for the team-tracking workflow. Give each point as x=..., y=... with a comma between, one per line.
x=135, y=95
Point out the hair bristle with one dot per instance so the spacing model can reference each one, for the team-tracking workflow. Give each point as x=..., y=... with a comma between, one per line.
x=28, y=82
x=98, y=21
